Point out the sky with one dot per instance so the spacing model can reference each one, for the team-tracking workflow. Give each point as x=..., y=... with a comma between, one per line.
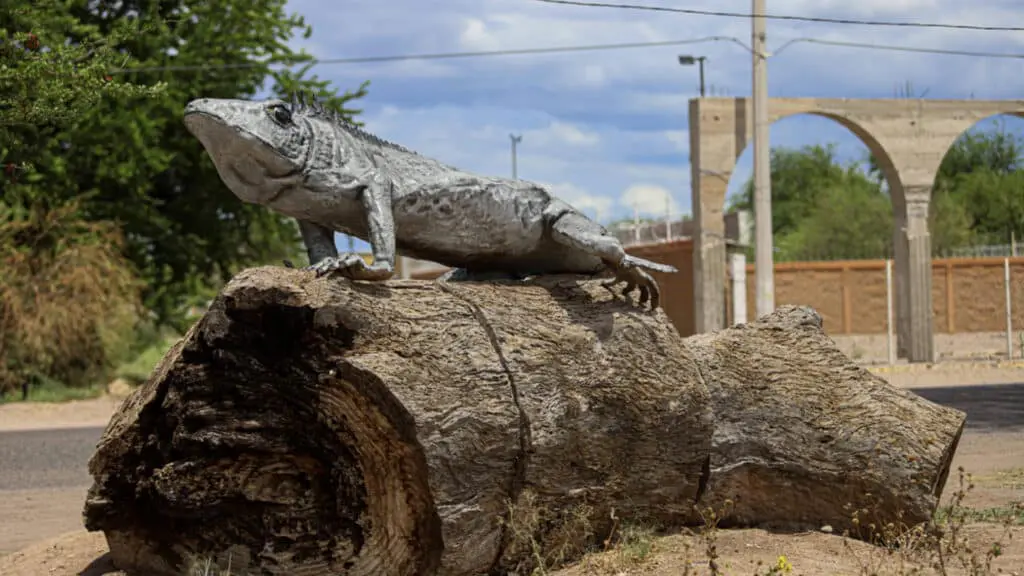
x=607, y=130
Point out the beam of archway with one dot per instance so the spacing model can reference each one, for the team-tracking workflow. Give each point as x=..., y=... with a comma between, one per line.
x=908, y=139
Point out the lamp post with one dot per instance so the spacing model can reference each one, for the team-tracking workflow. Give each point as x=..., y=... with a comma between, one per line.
x=515, y=140
x=687, y=60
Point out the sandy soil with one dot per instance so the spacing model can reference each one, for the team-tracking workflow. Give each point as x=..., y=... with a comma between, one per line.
x=30, y=516
x=740, y=552
x=42, y=415
x=808, y=554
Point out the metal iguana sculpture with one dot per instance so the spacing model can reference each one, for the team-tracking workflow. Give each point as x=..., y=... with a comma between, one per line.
x=303, y=161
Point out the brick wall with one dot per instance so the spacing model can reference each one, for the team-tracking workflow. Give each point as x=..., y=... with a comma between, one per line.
x=967, y=293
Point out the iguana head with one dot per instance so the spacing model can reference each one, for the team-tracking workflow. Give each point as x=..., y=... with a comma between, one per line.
x=260, y=148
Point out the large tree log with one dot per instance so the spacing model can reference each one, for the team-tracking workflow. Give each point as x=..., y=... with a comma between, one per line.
x=801, y=433
x=314, y=426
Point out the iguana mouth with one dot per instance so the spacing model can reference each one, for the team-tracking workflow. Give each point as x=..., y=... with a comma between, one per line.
x=249, y=159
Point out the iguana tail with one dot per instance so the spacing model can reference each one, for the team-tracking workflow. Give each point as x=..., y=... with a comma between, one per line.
x=648, y=265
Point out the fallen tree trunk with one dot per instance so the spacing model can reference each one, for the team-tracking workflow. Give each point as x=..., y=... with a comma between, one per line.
x=317, y=426
x=804, y=438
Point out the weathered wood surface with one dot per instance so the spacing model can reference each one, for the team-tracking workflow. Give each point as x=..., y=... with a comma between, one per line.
x=320, y=426
x=801, y=432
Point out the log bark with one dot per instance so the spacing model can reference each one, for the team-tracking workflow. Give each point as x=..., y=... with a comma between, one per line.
x=319, y=426
x=803, y=437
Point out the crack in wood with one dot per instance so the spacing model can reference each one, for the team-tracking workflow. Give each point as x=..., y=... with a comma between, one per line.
x=519, y=462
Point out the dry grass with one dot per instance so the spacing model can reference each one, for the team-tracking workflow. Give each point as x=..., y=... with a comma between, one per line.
x=67, y=295
x=943, y=546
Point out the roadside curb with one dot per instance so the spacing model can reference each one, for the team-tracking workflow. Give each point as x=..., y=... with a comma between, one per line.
x=943, y=366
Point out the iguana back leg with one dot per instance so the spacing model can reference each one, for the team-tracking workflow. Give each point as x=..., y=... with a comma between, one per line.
x=581, y=233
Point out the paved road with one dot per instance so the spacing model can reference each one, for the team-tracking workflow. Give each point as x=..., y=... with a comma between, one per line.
x=57, y=458
x=46, y=458
x=998, y=407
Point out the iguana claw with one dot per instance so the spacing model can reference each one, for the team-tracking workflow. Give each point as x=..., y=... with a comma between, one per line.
x=346, y=264
x=635, y=278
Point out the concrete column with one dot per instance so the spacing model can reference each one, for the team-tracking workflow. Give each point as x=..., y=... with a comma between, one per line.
x=709, y=261
x=914, y=280
x=738, y=272
x=709, y=180
x=901, y=270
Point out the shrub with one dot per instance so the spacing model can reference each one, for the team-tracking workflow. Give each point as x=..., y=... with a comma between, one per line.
x=68, y=296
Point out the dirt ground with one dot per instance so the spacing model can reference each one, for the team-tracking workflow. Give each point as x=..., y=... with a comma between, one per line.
x=48, y=523
x=43, y=415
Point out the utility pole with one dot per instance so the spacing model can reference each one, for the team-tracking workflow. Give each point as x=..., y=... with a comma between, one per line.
x=515, y=140
x=668, y=218
x=764, y=266
x=636, y=224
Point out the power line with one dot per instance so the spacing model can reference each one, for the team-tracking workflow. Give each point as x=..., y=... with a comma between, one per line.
x=942, y=51
x=695, y=12
x=562, y=49
x=433, y=56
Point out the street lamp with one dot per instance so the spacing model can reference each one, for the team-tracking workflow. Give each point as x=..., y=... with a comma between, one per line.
x=515, y=140
x=686, y=60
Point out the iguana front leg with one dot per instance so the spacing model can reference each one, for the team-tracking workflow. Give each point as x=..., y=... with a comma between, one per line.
x=319, y=242
x=376, y=202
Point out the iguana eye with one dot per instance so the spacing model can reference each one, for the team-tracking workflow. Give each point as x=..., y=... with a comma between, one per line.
x=282, y=114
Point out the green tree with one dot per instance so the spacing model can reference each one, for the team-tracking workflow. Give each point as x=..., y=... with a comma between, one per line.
x=821, y=209
x=850, y=219
x=981, y=172
x=45, y=84
x=798, y=177
x=139, y=166
x=978, y=194
x=949, y=223
x=66, y=293
x=993, y=202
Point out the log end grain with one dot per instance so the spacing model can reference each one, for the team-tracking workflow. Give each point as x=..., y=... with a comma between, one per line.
x=249, y=440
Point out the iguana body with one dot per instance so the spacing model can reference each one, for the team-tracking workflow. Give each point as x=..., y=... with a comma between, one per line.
x=332, y=176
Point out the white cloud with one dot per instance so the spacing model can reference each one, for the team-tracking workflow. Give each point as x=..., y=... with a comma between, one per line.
x=679, y=138
x=650, y=200
x=563, y=133
x=597, y=207
x=608, y=128
x=475, y=34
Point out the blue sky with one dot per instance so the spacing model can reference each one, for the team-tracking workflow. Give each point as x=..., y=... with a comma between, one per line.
x=607, y=129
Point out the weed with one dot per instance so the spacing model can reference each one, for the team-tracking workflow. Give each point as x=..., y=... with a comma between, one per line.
x=48, y=390
x=541, y=540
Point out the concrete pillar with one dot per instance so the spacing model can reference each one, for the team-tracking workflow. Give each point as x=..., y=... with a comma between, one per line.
x=913, y=266
x=708, y=187
x=738, y=273
x=901, y=270
x=709, y=281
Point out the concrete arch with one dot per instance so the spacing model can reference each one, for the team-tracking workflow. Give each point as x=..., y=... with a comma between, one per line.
x=880, y=154
x=1017, y=112
x=908, y=138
